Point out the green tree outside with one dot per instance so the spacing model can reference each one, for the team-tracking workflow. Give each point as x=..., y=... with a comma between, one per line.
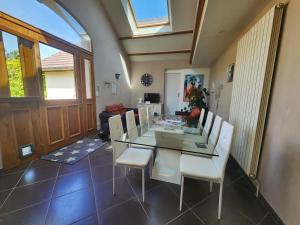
x=15, y=77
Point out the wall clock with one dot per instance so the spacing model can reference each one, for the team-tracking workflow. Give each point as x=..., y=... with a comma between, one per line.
x=146, y=79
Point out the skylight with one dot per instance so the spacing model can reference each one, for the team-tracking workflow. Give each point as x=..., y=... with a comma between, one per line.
x=150, y=13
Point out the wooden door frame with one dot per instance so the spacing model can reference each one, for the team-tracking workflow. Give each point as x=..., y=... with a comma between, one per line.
x=8, y=104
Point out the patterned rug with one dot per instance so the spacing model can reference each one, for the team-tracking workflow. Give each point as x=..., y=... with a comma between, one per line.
x=74, y=152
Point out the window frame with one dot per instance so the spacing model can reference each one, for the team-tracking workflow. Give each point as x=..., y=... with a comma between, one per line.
x=26, y=31
x=75, y=69
x=150, y=24
x=90, y=77
x=21, y=62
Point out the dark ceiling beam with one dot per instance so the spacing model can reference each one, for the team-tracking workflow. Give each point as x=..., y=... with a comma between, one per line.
x=159, y=53
x=157, y=35
x=199, y=12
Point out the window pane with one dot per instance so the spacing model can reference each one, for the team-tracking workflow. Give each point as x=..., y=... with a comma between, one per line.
x=150, y=12
x=87, y=73
x=57, y=73
x=13, y=64
x=49, y=16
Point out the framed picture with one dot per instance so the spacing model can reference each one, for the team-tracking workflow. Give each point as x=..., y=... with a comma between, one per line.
x=230, y=71
x=191, y=81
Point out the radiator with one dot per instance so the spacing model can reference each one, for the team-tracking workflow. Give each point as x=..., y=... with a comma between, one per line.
x=253, y=74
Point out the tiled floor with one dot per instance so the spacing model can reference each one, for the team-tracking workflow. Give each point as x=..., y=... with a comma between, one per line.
x=81, y=194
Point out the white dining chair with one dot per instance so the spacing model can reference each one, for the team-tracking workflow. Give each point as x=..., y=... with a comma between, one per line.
x=207, y=126
x=124, y=156
x=149, y=117
x=215, y=131
x=132, y=129
x=213, y=136
x=206, y=130
x=133, y=136
x=144, y=123
x=199, y=128
x=208, y=169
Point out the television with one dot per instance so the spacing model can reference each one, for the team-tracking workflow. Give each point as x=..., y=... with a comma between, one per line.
x=152, y=97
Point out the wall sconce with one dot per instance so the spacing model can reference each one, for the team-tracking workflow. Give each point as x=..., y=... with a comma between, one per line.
x=117, y=75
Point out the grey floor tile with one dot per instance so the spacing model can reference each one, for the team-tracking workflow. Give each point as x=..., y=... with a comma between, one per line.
x=105, y=173
x=135, y=179
x=194, y=190
x=187, y=218
x=83, y=164
x=231, y=214
x=36, y=174
x=70, y=208
x=161, y=205
x=105, y=198
x=33, y=215
x=101, y=159
x=3, y=195
x=128, y=213
x=90, y=220
x=268, y=220
x=72, y=182
x=27, y=195
x=8, y=181
x=40, y=163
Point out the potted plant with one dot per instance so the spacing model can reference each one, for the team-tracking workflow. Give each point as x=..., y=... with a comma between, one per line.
x=197, y=97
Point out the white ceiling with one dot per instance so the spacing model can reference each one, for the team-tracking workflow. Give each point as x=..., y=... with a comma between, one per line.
x=161, y=57
x=222, y=22
x=159, y=44
x=182, y=15
x=118, y=17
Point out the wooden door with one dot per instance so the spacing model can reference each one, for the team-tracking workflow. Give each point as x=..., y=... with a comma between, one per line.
x=89, y=98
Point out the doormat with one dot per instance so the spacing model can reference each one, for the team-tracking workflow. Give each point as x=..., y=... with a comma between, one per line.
x=74, y=152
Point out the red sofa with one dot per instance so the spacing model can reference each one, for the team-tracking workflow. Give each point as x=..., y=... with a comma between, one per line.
x=112, y=110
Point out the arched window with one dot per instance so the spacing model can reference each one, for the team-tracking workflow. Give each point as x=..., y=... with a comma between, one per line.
x=49, y=16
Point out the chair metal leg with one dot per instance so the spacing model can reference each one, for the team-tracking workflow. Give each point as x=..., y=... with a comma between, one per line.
x=150, y=166
x=210, y=186
x=181, y=192
x=220, y=200
x=143, y=183
x=114, y=179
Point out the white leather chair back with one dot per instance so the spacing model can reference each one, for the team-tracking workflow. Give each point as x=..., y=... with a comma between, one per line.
x=223, y=147
x=215, y=131
x=143, y=120
x=132, y=130
x=199, y=126
x=207, y=125
x=116, y=133
x=149, y=117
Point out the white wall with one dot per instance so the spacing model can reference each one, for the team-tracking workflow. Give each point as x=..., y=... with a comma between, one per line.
x=108, y=52
x=182, y=73
x=157, y=70
x=60, y=84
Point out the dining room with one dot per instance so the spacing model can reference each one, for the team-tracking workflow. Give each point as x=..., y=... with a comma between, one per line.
x=161, y=112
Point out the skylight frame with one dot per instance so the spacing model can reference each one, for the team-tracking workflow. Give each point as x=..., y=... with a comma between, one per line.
x=150, y=24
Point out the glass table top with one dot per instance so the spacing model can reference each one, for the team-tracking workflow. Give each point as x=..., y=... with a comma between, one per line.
x=167, y=133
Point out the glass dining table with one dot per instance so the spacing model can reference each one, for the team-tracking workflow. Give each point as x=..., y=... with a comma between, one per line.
x=166, y=136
